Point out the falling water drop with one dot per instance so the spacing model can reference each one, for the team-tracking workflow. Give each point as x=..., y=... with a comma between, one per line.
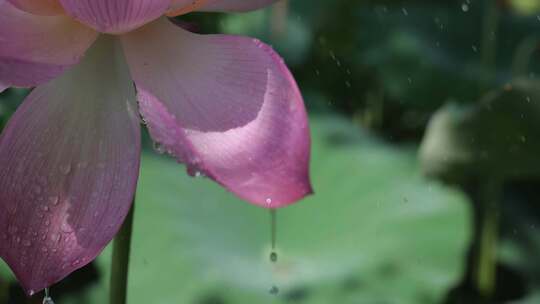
x=273, y=257
x=273, y=228
x=273, y=291
x=47, y=299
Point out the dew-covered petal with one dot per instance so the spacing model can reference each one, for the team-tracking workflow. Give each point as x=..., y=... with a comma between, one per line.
x=70, y=160
x=235, y=5
x=35, y=49
x=39, y=7
x=116, y=16
x=226, y=106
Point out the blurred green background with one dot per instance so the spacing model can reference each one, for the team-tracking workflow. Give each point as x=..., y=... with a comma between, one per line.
x=405, y=210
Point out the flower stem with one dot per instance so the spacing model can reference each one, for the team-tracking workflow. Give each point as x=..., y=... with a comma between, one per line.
x=486, y=262
x=120, y=260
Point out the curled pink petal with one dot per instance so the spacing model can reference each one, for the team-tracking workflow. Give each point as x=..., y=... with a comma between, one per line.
x=225, y=106
x=35, y=49
x=181, y=7
x=116, y=16
x=70, y=160
x=235, y=5
x=39, y=7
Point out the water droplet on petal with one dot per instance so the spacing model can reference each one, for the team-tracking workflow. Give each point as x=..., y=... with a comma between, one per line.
x=12, y=229
x=66, y=228
x=53, y=200
x=159, y=148
x=55, y=237
x=37, y=189
x=65, y=169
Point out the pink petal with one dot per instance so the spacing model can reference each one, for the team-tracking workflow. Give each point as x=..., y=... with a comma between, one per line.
x=70, y=160
x=39, y=7
x=180, y=7
x=226, y=106
x=235, y=5
x=116, y=16
x=35, y=49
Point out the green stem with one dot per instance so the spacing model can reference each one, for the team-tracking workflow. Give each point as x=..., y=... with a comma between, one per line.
x=486, y=263
x=489, y=41
x=120, y=260
x=523, y=55
x=278, y=20
x=4, y=291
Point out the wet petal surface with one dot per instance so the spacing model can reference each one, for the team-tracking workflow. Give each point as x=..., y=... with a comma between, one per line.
x=36, y=49
x=70, y=160
x=227, y=107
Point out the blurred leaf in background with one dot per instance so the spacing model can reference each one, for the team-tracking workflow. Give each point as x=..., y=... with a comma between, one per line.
x=375, y=232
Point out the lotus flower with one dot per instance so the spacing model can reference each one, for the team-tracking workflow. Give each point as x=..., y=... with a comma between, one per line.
x=225, y=106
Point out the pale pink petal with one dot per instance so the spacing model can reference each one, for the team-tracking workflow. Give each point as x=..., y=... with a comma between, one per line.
x=35, y=49
x=70, y=160
x=39, y=7
x=235, y=5
x=116, y=16
x=227, y=107
x=180, y=7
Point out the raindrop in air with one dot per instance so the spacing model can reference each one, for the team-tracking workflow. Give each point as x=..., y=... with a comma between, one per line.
x=47, y=299
x=465, y=7
x=273, y=257
x=273, y=291
x=273, y=228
